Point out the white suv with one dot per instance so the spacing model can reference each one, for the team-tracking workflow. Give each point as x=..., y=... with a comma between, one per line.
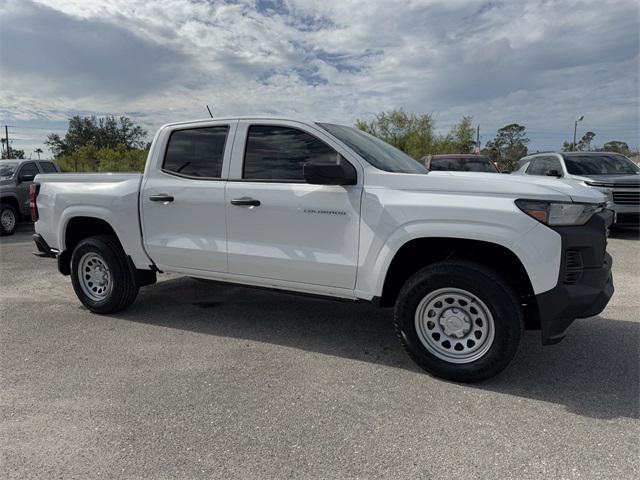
x=611, y=173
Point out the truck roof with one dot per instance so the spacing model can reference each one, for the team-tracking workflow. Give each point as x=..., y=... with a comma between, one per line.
x=246, y=117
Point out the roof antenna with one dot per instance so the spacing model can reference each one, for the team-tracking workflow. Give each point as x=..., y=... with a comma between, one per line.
x=209, y=110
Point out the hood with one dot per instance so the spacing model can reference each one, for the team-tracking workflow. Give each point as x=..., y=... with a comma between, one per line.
x=520, y=186
x=632, y=180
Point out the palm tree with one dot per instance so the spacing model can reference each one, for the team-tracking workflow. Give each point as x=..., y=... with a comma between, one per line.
x=38, y=151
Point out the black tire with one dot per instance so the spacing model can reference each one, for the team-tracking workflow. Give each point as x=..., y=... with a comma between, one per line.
x=491, y=289
x=7, y=209
x=123, y=291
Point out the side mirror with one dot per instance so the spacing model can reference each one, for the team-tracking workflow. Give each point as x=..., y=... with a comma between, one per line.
x=322, y=172
x=26, y=177
x=553, y=173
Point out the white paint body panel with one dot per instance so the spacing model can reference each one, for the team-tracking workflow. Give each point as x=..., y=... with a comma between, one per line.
x=328, y=240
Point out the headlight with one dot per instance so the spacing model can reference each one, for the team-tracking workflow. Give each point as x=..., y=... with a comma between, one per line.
x=556, y=213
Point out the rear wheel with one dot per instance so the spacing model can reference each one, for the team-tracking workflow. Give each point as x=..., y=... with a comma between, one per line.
x=100, y=276
x=459, y=321
x=8, y=219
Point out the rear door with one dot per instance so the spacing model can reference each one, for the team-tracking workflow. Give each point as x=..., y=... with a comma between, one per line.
x=280, y=227
x=182, y=199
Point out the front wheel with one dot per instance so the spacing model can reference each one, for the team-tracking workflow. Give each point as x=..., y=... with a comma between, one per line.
x=100, y=276
x=8, y=219
x=459, y=321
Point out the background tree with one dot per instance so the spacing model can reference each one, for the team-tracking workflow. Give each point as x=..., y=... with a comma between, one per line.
x=105, y=144
x=10, y=152
x=584, y=145
x=616, y=146
x=411, y=133
x=38, y=151
x=509, y=145
x=459, y=140
x=103, y=132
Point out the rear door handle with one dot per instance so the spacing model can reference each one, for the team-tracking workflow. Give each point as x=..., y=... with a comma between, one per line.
x=245, y=202
x=161, y=198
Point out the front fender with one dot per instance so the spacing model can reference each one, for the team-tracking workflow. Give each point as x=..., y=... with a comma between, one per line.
x=538, y=249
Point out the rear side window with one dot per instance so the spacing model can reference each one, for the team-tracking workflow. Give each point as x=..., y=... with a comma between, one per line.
x=278, y=153
x=48, y=167
x=196, y=152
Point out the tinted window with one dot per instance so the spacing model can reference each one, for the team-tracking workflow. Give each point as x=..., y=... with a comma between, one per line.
x=196, y=152
x=48, y=167
x=480, y=164
x=278, y=153
x=607, y=164
x=29, y=169
x=541, y=165
x=375, y=151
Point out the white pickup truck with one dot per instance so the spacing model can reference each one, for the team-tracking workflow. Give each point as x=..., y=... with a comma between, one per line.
x=467, y=259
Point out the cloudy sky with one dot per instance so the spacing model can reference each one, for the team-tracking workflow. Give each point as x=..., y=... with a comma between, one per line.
x=539, y=63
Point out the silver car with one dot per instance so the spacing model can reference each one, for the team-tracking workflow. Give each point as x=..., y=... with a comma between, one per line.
x=611, y=173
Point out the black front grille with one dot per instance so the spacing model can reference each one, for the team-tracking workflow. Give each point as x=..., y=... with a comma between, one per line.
x=626, y=198
x=573, y=267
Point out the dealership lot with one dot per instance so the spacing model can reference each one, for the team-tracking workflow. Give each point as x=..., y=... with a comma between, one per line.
x=207, y=381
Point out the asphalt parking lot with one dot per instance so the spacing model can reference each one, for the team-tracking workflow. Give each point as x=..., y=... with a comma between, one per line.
x=203, y=381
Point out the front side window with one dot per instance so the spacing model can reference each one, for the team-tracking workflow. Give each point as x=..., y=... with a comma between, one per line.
x=28, y=169
x=196, y=152
x=538, y=166
x=278, y=153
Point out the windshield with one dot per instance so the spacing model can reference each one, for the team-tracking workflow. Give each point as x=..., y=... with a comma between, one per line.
x=376, y=152
x=606, y=164
x=480, y=164
x=7, y=169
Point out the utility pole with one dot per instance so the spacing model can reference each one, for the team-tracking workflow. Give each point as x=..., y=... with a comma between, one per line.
x=6, y=136
x=478, y=139
x=575, y=129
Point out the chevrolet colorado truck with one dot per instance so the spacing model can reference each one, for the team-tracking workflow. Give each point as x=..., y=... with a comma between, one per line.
x=468, y=260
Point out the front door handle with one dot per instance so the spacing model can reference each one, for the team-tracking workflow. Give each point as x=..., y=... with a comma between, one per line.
x=245, y=202
x=161, y=198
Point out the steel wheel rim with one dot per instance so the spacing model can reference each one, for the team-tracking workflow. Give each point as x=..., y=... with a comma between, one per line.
x=95, y=277
x=455, y=325
x=8, y=220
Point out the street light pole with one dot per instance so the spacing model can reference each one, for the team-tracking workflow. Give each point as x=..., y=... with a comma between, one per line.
x=575, y=129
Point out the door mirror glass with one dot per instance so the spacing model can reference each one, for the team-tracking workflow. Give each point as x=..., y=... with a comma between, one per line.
x=324, y=172
x=553, y=173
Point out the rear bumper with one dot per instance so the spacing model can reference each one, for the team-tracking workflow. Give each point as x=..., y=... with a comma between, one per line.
x=585, y=282
x=44, y=250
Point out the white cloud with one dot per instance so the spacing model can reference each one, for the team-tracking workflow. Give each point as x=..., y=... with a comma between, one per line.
x=539, y=63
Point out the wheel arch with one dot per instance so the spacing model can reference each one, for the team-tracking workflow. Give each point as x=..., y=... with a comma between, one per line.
x=417, y=253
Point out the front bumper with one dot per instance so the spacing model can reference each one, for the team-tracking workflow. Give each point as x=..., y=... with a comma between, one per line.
x=585, y=283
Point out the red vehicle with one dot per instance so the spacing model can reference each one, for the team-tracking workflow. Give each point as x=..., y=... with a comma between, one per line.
x=460, y=163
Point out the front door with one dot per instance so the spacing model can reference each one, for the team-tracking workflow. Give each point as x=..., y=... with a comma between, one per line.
x=280, y=227
x=182, y=200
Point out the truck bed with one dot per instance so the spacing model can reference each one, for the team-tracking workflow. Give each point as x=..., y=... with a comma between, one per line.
x=112, y=197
